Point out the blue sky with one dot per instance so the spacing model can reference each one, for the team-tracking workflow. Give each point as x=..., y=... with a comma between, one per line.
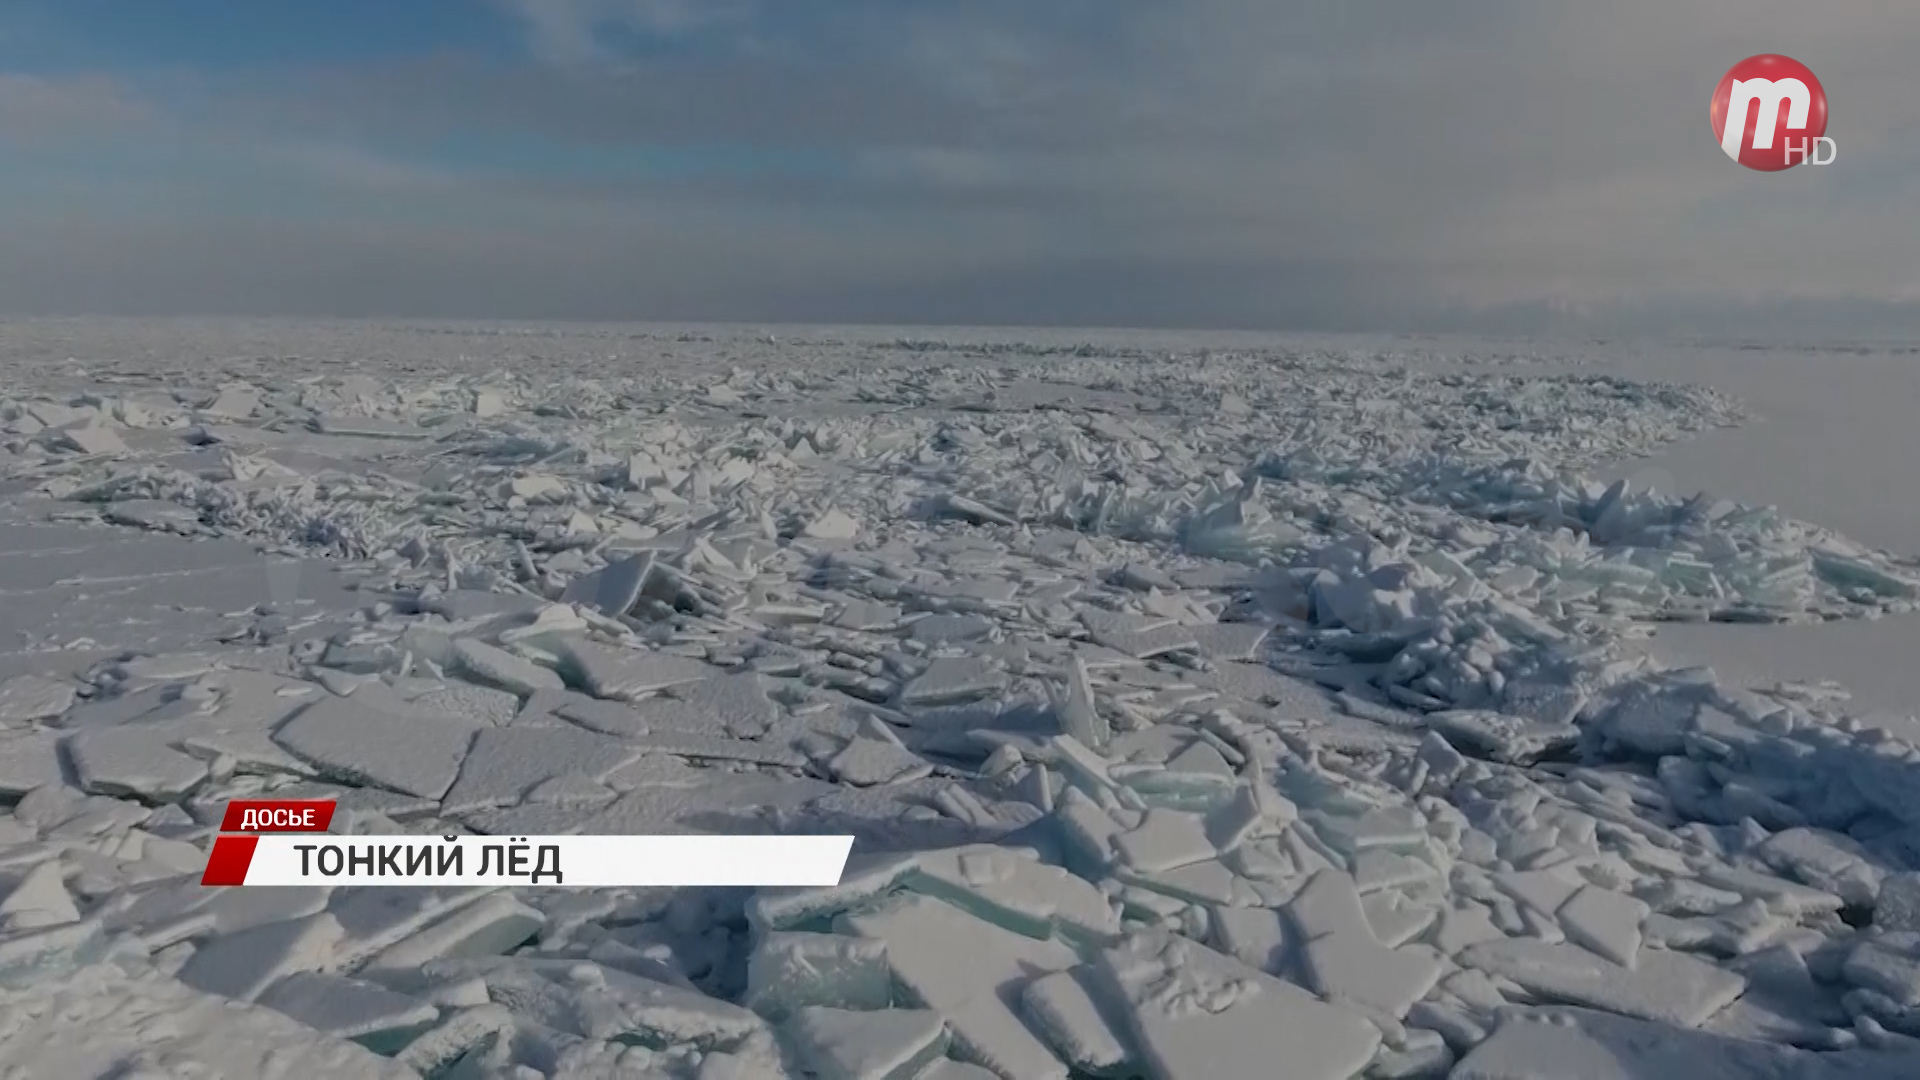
x=1358, y=164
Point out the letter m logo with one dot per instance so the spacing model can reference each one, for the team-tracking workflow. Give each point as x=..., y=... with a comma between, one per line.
x=1766, y=96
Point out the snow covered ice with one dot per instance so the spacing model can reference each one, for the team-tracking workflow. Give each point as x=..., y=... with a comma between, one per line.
x=1241, y=709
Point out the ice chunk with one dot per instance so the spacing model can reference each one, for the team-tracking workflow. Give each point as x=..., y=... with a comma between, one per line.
x=867, y=615
x=1578, y=1044
x=243, y=964
x=1514, y=740
x=624, y=674
x=738, y=704
x=971, y=510
x=133, y=760
x=949, y=1069
x=368, y=427
x=1257, y=937
x=1670, y=987
x=1397, y=919
x=29, y=760
x=953, y=679
x=789, y=970
x=28, y=955
x=156, y=515
x=1785, y=897
x=602, y=1002
x=234, y=403
x=1359, y=969
x=1544, y=891
x=842, y=1044
x=349, y=1008
x=1196, y=1014
x=832, y=525
x=1231, y=641
x=1604, y=921
x=1827, y=860
x=1012, y=888
x=1164, y=840
x=487, y=664
x=91, y=437
x=504, y=764
x=26, y=698
x=414, y=755
x=102, y=1021
x=1076, y=1023
x=1890, y=966
x=1899, y=902
x=951, y=629
x=971, y=972
x=613, y=589
x=867, y=761
x=488, y=927
x=458, y=1033
x=40, y=899
x=1328, y=904
x=865, y=879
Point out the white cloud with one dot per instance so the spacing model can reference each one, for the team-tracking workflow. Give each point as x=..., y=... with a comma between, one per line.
x=1373, y=156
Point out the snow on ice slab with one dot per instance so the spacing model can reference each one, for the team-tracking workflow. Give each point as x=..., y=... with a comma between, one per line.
x=597, y=1001
x=134, y=760
x=413, y=755
x=1899, y=902
x=1165, y=840
x=1197, y=1014
x=842, y=1044
x=954, y=679
x=972, y=973
x=495, y=666
x=488, y=927
x=25, y=698
x=1670, y=987
x=504, y=764
x=613, y=589
x=241, y=965
x=1826, y=860
x=949, y=1069
x=1500, y=737
x=347, y=1008
x=38, y=900
x=1364, y=971
x=368, y=427
x=868, y=761
x=1579, y=1044
x=100, y=1021
x=1011, y=887
x=29, y=760
x=791, y=969
x=1606, y=922
x=866, y=878
x=1075, y=1022
x=624, y=674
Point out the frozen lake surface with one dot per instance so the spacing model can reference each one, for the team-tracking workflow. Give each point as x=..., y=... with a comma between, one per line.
x=1203, y=706
x=1833, y=441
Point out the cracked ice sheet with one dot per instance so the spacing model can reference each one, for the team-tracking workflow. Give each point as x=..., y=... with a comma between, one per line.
x=1199, y=1014
x=99, y=1021
x=826, y=553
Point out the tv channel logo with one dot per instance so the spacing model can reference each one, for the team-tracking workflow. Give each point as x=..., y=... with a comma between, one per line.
x=1770, y=114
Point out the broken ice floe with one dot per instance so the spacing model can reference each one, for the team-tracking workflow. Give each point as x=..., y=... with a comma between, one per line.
x=1196, y=719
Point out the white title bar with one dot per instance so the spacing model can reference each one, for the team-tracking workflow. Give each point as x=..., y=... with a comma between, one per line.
x=570, y=861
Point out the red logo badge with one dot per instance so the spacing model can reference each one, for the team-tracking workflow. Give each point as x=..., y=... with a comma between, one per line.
x=1770, y=113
